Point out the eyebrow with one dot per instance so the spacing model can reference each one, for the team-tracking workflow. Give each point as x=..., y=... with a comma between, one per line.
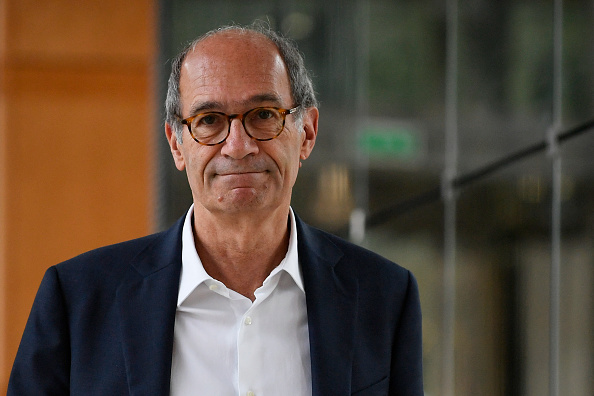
x=200, y=107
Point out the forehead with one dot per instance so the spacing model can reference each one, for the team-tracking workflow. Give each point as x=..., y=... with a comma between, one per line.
x=233, y=67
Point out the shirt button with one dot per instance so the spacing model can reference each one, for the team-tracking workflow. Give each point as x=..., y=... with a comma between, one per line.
x=250, y=393
x=248, y=321
x=213, y=287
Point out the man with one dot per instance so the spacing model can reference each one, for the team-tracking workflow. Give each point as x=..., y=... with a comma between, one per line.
x=239, y=297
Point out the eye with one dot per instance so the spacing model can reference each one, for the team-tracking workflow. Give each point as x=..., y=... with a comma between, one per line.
x=208, y=119
x=264, y=114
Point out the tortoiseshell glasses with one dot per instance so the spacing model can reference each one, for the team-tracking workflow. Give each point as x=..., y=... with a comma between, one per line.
x=262, y=124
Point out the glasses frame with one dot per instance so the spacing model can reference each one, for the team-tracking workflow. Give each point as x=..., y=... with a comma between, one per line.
x=230, y=117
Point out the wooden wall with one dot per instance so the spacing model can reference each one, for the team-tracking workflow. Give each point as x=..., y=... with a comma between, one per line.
x=77, y=114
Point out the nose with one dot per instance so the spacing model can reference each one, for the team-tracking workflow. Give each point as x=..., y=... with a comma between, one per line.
x=238, y=144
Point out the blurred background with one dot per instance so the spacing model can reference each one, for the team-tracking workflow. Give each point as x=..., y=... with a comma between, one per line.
x=436, y=148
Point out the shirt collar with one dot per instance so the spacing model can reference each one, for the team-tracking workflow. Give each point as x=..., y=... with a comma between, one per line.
x=290, y=263
x=193, y=273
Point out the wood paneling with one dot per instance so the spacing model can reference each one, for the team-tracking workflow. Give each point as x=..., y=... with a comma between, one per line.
x=76, y=125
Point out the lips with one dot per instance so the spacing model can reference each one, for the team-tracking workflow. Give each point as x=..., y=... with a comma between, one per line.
x=239, y=173
x=229, y=168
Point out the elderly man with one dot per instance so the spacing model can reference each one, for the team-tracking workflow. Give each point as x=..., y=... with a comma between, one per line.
x=239, y=297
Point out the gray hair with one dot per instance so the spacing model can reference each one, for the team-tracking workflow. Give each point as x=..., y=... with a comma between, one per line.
x=299, y=78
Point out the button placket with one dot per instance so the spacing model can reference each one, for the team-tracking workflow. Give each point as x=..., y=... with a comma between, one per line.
x=248, y=347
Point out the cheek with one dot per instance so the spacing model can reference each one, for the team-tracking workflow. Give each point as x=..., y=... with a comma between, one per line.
x=292, y=165
x=196, y=163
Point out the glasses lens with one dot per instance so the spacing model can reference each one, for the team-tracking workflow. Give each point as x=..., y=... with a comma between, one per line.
x=210, y=128
x=264, y=123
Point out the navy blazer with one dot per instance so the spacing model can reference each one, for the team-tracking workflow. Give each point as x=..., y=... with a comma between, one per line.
x=102, y=323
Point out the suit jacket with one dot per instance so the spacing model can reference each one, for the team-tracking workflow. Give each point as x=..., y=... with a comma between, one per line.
x=102, y=323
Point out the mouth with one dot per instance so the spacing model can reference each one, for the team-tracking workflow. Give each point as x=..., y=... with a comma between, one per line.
x=240, y=179
x=239, y=173
x=238, y=170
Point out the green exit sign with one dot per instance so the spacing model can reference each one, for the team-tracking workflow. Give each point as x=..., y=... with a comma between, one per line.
x=396, y=142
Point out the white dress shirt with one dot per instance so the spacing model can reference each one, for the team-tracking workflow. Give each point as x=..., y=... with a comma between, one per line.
x=225, y=345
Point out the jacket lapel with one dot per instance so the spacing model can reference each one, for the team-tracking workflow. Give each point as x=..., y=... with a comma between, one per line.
x=147, y=301
x=331, y=298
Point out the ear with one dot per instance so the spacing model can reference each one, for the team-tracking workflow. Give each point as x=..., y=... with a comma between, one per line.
x=175, y=147
x=310, y=130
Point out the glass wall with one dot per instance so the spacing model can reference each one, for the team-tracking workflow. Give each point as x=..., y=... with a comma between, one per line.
x=382, y=74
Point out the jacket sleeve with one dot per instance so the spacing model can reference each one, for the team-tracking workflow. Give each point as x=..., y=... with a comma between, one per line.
x=42, y=363
x=407, y=353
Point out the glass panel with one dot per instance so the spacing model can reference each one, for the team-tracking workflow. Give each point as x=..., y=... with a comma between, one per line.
x=577, y=268
x=379, y=70
x=503, y=264
x=577, y=251
x=505, y=78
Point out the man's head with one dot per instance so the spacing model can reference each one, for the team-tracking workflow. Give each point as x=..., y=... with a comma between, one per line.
x=224, y=76
x=299, y=78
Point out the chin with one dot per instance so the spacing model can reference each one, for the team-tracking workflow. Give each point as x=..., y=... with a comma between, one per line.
x=239, y=200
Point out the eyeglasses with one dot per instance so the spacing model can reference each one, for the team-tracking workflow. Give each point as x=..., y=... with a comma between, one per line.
x=261, y=123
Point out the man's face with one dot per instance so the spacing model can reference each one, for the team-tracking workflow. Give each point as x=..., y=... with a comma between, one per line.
x=232, y=73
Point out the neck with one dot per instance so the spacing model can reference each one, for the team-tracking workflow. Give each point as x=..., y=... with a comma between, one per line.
x=241, y=250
